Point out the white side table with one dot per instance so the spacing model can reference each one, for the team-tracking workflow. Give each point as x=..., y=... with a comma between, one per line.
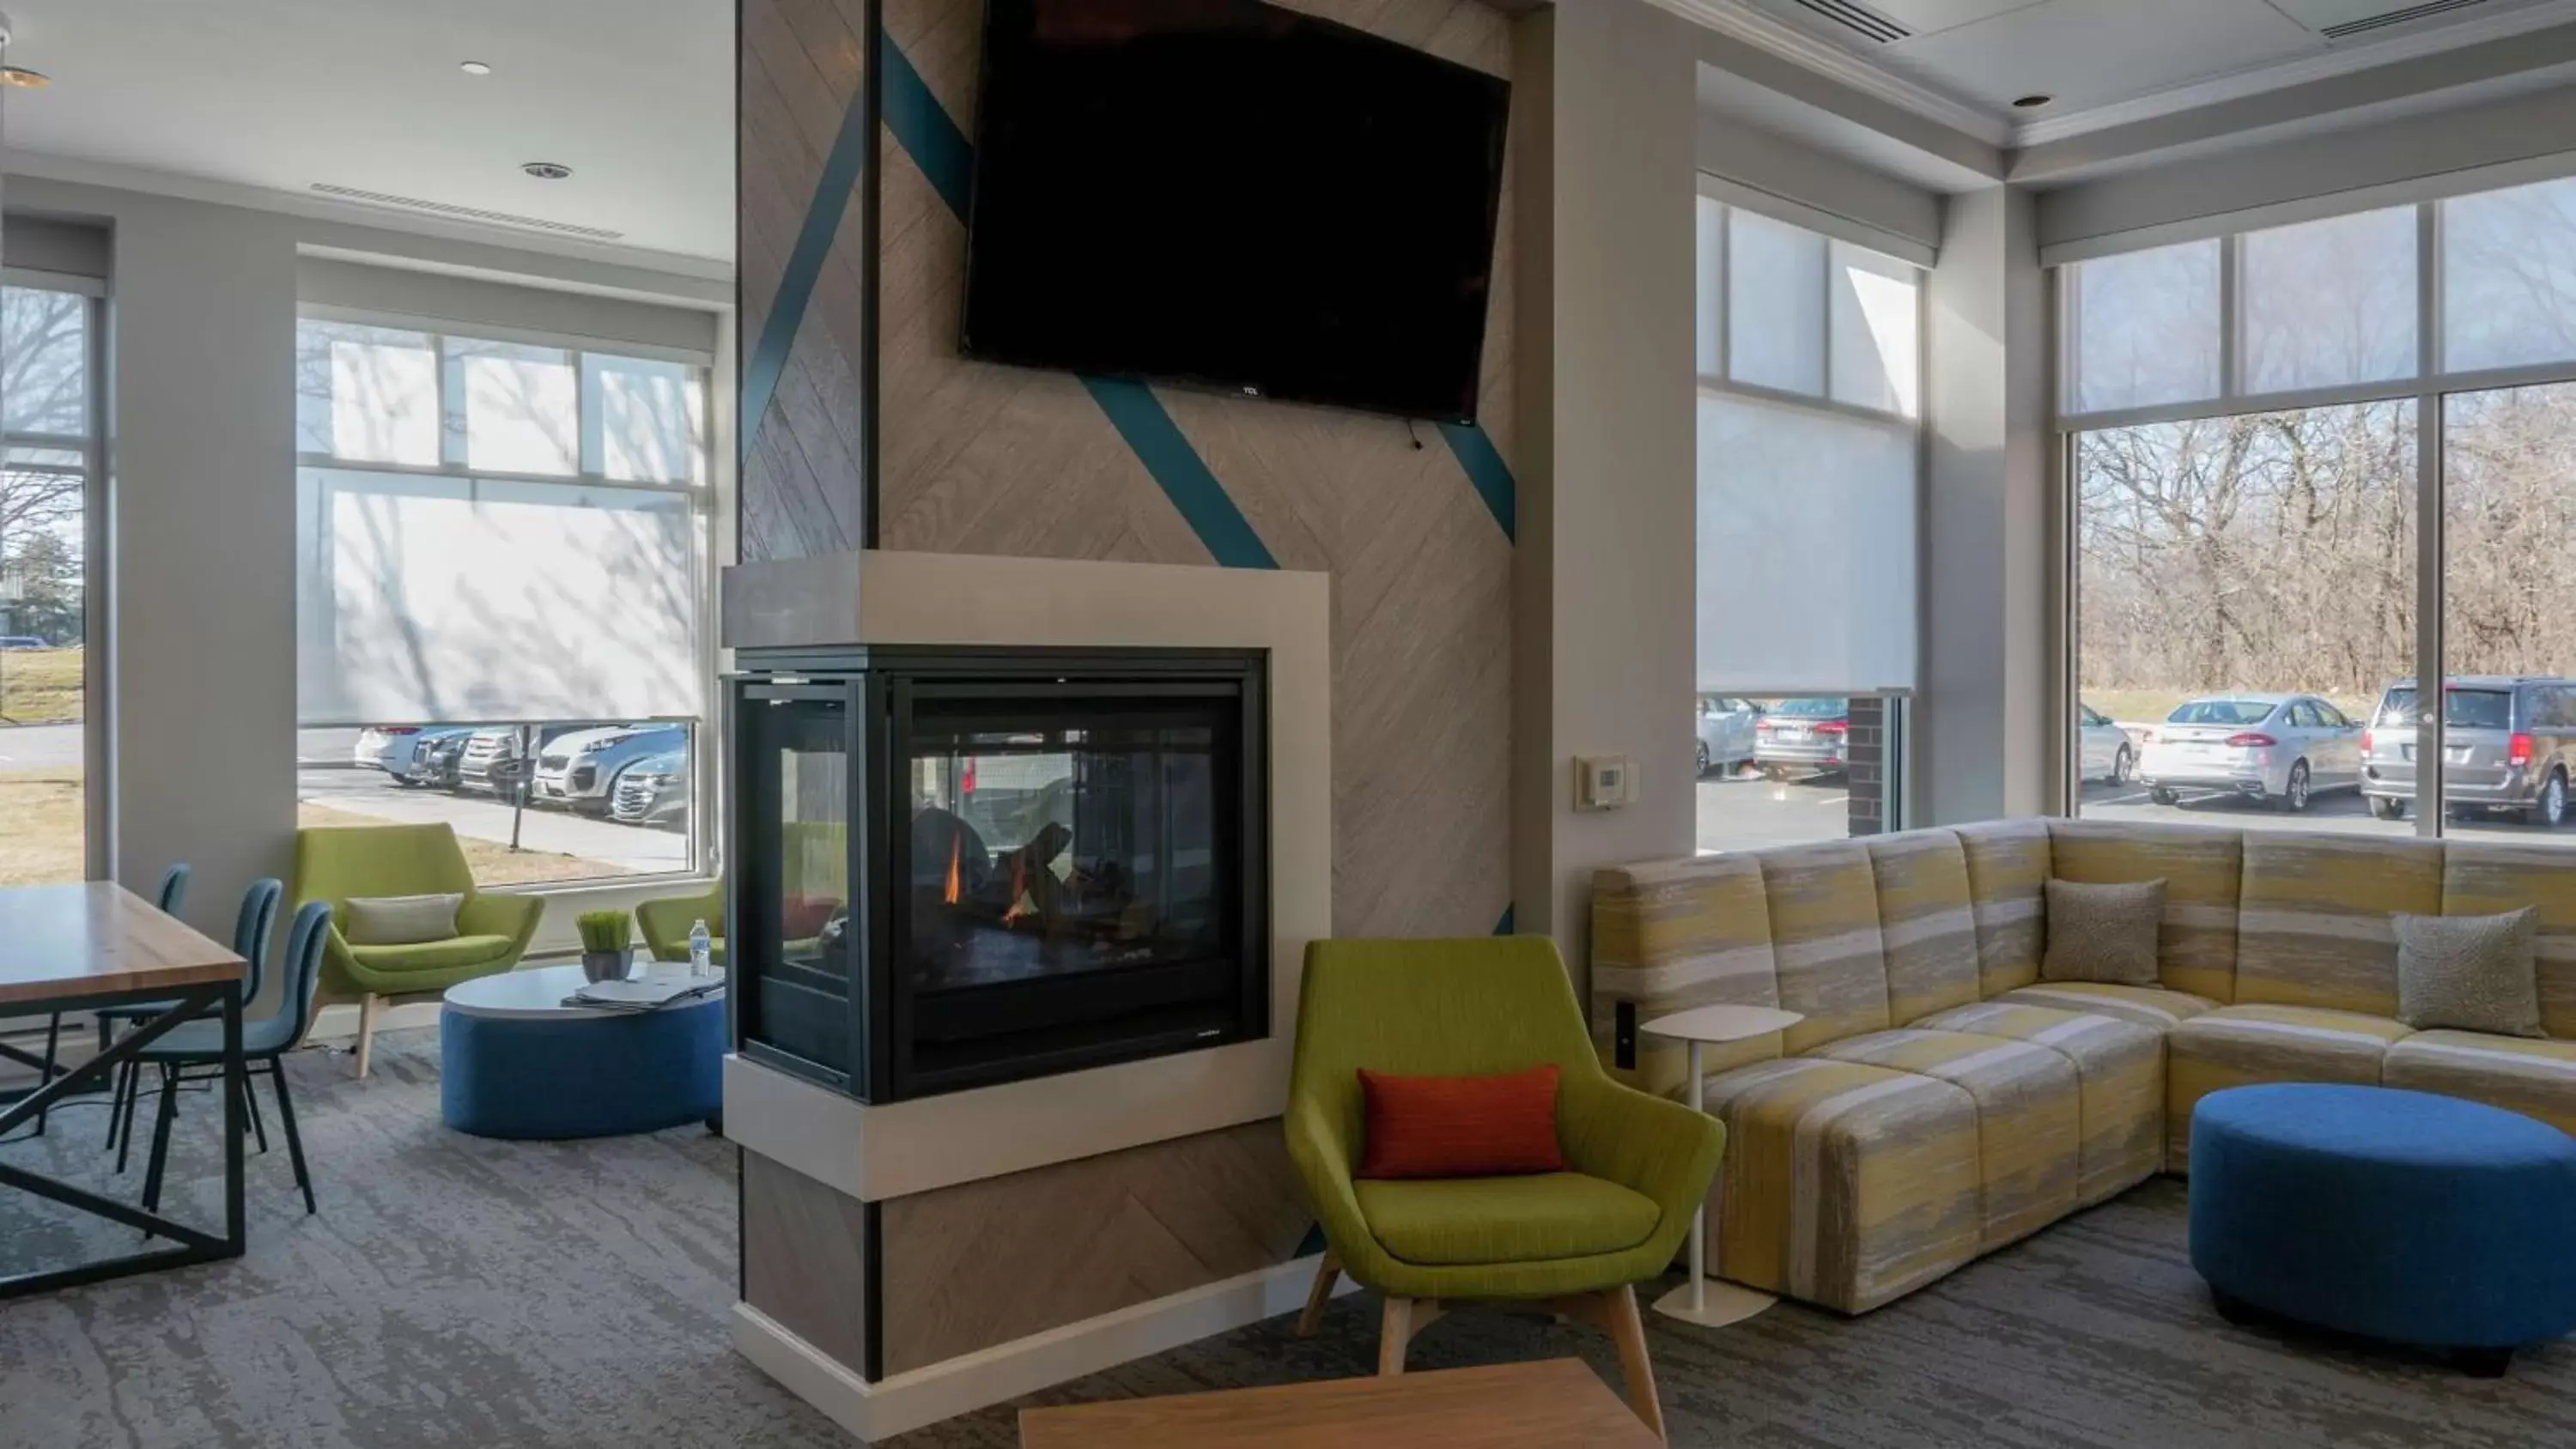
x=1704, y=1302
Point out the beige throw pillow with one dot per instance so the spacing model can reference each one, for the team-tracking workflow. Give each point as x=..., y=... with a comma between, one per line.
x=2104, y=933
x=2469, y=973
x=401, y=920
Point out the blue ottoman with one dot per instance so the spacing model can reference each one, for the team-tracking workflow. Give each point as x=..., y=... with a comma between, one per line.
x=514, y=1061
x=2399, y=1216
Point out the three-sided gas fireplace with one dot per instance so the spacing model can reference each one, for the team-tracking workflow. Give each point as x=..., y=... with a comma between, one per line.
x=950, y=867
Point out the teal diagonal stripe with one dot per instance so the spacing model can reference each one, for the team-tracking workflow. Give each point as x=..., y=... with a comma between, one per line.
x=936, y=144
x=1486, y=470
x=1158, y=444
x=768, y=359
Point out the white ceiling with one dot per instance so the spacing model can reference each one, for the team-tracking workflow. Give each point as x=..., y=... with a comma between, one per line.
x=2093, y=54
x=635, y=95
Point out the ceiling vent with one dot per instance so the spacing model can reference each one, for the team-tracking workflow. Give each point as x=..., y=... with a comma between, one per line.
x=1859, y=20
x=2404, y=15
x=450, y=210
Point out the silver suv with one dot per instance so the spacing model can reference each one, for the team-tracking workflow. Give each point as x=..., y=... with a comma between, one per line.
x=2508, y=744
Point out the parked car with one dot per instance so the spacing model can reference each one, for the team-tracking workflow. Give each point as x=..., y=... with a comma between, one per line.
x=492, y=758
x=2276, y=748
x=436, y=764
x=1798, y=736
x=1725, y=731
x=2104, y=750
x=401, y=750
x=2508, y=744
x=581, y=769
x=21, y=643
x=653, y=791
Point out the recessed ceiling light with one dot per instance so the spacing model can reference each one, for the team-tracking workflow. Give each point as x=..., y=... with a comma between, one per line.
x=475, y=67
x=2031, y=102
x=23, y=78
x=546, y=170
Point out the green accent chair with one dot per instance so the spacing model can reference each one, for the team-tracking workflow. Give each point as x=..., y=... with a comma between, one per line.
x=334, y=863
x=664, y=924
x=1575, y=1242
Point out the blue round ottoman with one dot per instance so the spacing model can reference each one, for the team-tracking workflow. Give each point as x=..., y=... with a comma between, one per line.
x=2399, y=1216
x=514, y=1061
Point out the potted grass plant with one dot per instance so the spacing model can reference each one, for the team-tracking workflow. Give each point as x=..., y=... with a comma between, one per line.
x=606, y=941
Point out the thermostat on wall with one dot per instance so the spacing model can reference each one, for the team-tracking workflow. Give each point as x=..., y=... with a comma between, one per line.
x=1604, y=782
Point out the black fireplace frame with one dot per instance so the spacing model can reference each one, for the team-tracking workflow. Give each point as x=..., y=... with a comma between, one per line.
x=878, y=685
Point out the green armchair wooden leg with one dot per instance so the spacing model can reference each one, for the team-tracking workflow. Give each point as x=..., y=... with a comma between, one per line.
x=1319, y=1296
x=1612, y=1310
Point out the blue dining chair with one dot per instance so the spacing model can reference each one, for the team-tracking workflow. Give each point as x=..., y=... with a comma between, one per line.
x=174, y=891
x=199, y=1045
x=251, y=927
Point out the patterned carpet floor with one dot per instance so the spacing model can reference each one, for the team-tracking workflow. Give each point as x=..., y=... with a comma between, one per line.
x=488, y=1295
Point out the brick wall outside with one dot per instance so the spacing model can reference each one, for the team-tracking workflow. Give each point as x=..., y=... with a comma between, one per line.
x=1866, y=750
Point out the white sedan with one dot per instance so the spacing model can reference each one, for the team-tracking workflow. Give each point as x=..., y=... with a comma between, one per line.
x=2276, y=748
x=2103, y=747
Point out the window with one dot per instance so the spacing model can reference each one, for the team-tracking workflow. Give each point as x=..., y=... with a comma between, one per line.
x=47, y=385
x=2251, y=540
x=1809, y=472
x=503, y=569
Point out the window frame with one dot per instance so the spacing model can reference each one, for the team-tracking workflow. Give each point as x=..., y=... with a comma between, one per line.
x=704, y=494
x=1897, y=802
x=2430, y=387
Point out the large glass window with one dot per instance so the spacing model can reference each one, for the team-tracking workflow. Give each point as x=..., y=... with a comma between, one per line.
x=2249, y=605
x=502, y=571
x=1809, y=464
x=48, y=412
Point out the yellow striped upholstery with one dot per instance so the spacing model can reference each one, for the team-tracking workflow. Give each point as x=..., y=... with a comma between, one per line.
x=1673, y=936
x=2030, y=1124
x=2121, y=1066
x=2007, y=885
x=1843, y=1185
x=2196, y=949
x=1939, y=1099
x=2313, y=927
x=1825, y=940
x=1926, y=922
x=2535, y=1078
x=2488, y=880
x=2239, y=1046
x=2146, y=1005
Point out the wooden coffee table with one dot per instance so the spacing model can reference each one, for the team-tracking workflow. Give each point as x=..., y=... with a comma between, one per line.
x=1556, y=1403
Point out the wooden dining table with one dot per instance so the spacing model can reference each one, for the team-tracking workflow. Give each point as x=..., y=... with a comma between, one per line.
x=78, y=947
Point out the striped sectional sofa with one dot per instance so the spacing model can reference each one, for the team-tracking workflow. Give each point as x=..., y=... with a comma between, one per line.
x=1940, y=1100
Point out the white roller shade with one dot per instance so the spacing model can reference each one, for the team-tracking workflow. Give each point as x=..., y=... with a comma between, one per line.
x=1806, y=550
x=429, y=599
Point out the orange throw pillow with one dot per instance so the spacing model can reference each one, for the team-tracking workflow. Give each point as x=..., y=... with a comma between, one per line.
x=1497, y=1126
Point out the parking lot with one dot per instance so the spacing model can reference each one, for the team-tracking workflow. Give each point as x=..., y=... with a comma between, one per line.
x=1751, y=814
x=553, y=844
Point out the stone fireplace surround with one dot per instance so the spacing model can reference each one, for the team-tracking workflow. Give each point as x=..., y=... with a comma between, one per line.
x=821, y=1168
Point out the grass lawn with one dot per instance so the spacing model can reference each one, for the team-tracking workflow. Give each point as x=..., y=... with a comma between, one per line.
x=492, y=862
x=41, y=686
x=40, y=826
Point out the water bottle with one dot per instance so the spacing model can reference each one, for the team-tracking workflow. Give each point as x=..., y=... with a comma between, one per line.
x=701, y=950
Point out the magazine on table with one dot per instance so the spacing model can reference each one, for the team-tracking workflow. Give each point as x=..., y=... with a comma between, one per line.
x=650, y=994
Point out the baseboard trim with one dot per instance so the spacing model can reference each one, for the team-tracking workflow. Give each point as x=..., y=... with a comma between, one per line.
x=910, y=1400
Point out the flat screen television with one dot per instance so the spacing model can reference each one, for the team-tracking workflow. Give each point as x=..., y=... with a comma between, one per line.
x=1232, y=195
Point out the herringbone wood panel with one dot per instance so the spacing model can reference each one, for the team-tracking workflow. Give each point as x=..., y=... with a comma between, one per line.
x=987, y=1262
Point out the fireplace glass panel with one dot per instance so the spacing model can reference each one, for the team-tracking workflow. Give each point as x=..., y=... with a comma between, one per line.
x=1068, y=864
x=799, y=753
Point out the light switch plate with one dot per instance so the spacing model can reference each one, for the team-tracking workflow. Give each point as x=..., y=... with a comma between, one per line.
x=1604, y=782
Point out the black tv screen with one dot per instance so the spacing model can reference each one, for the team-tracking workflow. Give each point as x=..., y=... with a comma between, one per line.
x=1225, y=193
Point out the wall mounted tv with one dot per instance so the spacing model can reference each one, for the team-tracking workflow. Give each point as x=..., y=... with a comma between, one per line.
x=1233, y=195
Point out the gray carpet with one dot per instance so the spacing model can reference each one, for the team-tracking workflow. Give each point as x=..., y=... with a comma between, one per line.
x=460, y=1292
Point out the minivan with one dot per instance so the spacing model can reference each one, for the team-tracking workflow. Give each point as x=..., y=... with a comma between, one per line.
x=2508, y=744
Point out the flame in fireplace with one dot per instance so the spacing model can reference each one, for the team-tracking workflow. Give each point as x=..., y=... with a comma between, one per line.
x=956, y=842
x=1019, y=890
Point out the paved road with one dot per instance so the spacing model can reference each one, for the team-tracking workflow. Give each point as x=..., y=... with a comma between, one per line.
x=1752, y=813
x=368, y=792
x=39, y=747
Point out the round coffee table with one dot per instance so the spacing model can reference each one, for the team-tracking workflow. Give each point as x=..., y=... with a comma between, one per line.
x=514, y=1061
x=1701, y=1301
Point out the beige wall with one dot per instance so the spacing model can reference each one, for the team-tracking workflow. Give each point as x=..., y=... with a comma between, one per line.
x=1605, y=568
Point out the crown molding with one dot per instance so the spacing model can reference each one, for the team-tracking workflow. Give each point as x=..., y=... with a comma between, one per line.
x=2218, y=90
x=1739, y=21
x=1814, y=53
x=385, y=219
